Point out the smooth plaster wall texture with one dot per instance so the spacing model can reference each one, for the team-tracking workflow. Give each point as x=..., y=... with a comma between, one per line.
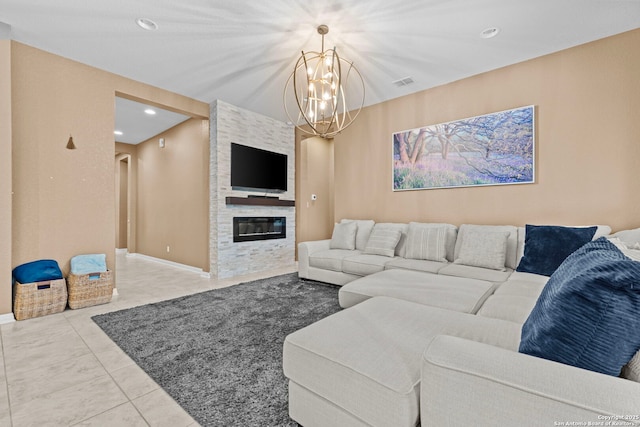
x=5, y=177
x=233, y=124
x=173, y=195
x=122, y=196
x=128, y=152
x=64, y=200
x=587, y=102
x=314, y=217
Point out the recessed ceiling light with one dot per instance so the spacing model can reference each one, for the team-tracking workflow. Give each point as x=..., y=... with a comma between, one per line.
x=150, y=112
x=487, y=33
x=146, y=24
x=117, y=132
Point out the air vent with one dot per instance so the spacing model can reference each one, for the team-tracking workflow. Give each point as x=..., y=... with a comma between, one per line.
x=403, y=82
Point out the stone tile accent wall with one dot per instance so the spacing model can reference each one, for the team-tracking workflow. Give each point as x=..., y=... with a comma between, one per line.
x=228, y=259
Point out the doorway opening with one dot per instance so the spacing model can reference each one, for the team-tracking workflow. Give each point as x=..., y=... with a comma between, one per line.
x=162, y=177
x=122, y=202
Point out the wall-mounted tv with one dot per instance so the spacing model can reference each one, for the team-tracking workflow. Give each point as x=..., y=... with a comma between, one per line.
x=254, y=169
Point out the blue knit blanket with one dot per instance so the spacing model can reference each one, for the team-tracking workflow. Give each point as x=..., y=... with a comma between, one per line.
x=90, y=263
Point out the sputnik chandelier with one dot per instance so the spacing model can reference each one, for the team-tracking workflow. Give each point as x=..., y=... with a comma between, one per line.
x=322, y=82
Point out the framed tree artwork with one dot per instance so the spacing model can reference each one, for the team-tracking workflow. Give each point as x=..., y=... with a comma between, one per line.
x=492, y=149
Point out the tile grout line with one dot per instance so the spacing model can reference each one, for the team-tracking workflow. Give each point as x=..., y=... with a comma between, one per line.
x=129, y=400
x=90, y=352
x=138, y=296
x=107, y=410
x=6, y=379
x=75, y=384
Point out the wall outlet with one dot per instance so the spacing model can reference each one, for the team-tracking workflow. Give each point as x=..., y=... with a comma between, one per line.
x=168, y=249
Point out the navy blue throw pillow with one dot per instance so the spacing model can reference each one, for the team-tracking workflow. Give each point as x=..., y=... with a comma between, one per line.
x=546, y=246
x=587, y=314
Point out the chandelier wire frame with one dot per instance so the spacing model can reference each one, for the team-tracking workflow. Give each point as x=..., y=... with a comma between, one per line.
x=319, y=90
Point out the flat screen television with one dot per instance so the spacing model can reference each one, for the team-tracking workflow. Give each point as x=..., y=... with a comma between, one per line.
x=254, y=169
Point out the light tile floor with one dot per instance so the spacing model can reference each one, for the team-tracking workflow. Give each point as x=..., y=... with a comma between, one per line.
x=62, y=370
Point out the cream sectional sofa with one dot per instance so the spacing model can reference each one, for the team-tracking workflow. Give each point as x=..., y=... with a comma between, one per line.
x=427, y=342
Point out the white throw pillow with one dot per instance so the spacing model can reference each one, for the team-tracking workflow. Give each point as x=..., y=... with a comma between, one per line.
x=404, y=228
x=487, y=249
x=634, y=254
x=632, y=250
x=631, y=238
x=512, y=241
x=383, y=241
x=631, y=370
x=344, y=236
x=618, y=243
x=364, y=230
x=426, y=241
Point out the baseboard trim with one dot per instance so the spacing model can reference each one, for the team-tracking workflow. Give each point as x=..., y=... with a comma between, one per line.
x=121, y=250
x=7, y=318
x=167, y=262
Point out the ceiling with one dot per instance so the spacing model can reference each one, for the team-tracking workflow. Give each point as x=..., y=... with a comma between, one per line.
x=137, y=125
x=243, y=51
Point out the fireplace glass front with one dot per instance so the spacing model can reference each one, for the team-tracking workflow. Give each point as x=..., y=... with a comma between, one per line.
x=251, y=228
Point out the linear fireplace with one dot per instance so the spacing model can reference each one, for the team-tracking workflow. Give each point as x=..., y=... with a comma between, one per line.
x=249, y=228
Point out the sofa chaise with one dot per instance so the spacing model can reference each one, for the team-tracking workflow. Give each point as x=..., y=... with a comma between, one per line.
x=433, y=327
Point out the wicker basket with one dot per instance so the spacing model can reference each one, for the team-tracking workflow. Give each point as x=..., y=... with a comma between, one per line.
x=39, y=298
x=89, y=289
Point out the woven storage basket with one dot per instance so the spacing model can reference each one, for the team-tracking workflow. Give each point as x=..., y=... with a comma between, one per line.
x=39, y=298
x=89, y=289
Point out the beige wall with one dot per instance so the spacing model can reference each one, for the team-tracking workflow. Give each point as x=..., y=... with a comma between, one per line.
x=64, y=200
x=173, y=195
x=315, y=217
x=128, y=151
x=122, y=205
x=5, y=177
x=587, y=101
x=588, y=143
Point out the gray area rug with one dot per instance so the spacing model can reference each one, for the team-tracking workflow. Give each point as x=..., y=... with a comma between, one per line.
x=219, y=353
